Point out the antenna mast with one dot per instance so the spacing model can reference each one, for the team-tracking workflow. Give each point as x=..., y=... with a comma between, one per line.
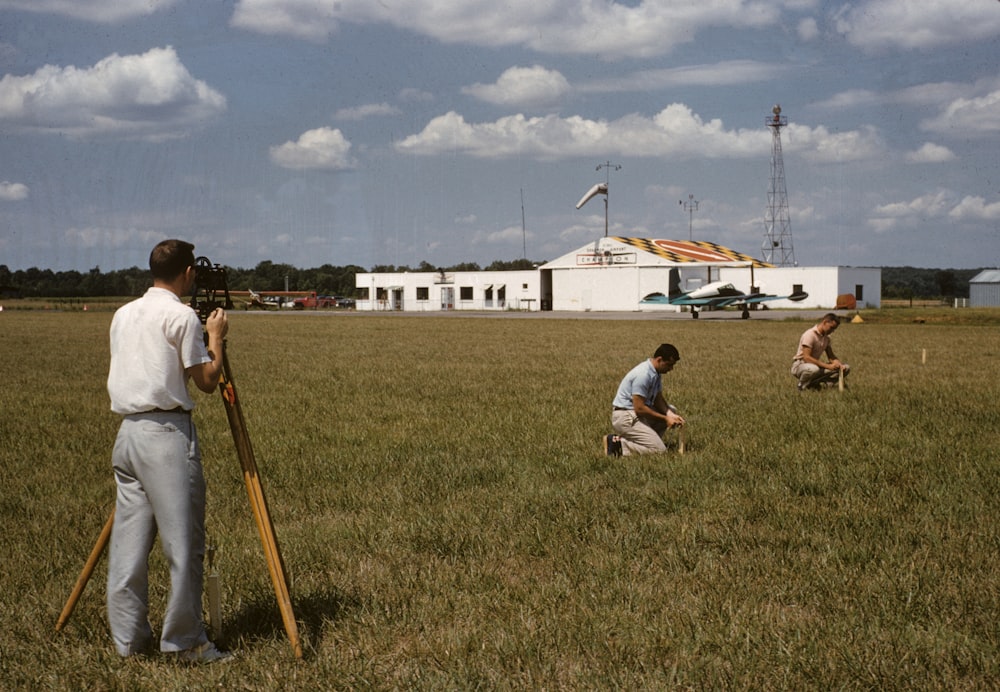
x=777, y=246
x=608, y=166
x=524, y=232
x=691, y=206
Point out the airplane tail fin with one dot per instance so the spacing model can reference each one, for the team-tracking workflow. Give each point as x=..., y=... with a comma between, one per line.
x=675, y=282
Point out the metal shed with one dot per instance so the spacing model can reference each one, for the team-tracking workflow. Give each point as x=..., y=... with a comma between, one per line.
x=984, y=289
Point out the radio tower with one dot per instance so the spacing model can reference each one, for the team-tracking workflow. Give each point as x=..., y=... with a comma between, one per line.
x=777, y=246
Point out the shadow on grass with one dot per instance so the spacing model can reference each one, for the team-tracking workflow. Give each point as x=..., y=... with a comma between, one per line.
x=259, y=619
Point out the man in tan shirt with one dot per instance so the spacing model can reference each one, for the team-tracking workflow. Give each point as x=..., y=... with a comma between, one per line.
x=807, y=366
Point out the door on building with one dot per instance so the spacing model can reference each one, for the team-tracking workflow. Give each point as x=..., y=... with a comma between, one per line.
x=447, y=297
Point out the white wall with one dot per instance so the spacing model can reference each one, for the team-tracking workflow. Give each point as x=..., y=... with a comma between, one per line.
x=607, y=289
x=823, y=284
x=612, y=288
x=521, y=290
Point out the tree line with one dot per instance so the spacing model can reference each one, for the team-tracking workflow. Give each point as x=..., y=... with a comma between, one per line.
x=266, y=276
x=897, y=282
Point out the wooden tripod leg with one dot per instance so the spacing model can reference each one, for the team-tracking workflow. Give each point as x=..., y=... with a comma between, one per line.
x=258, y=505
x=88, y=569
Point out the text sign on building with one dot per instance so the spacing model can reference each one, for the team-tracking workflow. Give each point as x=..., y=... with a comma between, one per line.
x=594, y=259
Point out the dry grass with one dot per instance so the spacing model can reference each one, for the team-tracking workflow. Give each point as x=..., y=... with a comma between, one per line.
x=448, y=521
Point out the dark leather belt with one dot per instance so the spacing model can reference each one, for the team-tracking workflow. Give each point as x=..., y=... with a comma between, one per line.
x=619, y=408
x=179, y=409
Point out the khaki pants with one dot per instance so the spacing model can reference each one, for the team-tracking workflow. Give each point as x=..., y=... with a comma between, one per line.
x=639, y=434
x=808, y=374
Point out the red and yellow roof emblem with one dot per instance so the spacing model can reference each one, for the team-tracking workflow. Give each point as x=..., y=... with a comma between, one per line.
x=690, y=250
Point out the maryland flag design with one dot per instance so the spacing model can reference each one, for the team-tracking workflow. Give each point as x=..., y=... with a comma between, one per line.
x=690, y=251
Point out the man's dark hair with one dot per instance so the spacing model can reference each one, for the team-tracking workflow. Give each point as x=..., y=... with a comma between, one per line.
x=170, y=258
x=831, y=317
x=667, y=352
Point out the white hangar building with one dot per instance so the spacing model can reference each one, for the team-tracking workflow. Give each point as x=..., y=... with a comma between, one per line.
x=616, y=274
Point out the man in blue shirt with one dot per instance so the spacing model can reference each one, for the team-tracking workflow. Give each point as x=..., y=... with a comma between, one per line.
x=640, y=414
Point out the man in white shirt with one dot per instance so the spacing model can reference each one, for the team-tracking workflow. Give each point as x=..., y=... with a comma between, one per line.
x=157, y=345
x=640, y=414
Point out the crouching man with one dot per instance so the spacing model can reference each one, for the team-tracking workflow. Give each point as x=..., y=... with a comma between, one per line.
x=807, y=365
x=640, y=414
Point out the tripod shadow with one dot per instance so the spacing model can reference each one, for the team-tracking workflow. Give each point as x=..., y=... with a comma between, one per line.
x=259, y=619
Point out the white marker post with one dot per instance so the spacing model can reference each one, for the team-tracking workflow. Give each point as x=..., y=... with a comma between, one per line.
x=214, y=593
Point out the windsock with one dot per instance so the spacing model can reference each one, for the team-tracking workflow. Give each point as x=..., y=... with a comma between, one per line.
x=599, y=189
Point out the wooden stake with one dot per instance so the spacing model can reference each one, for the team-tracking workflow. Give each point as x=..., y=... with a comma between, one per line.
x=681, y=441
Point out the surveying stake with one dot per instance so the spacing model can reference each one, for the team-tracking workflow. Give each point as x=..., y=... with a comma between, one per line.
x=210, y=280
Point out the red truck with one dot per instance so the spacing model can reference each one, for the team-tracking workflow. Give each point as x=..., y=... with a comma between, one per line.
x=314, y=301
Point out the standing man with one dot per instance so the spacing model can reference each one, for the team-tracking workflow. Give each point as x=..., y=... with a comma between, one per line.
x=640, y=414
x=807, y=368
x=157, y=345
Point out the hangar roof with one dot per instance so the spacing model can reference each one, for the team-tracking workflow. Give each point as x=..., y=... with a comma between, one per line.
x=628, y=251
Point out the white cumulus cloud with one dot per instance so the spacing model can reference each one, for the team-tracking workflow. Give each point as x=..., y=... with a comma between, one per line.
x=13, y=192
x=929, y=206
x=524, y=87
x=367, y=110
x=975, y=208
x=612, y=29
x=675, y=132
x=808, y=29
x=102, y=11
x=322, y=148
x=150, y=96
x=878, y=24
x=930, y=153
x=964, y=116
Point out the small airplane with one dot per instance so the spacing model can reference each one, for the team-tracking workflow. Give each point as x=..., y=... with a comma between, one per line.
x=263, y=300
x=718, y=294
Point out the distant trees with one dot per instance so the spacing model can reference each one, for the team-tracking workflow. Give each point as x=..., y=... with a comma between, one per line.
x=897, y=282
x=910, y=282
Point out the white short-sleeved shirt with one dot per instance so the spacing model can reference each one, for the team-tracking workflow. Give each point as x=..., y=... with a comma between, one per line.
x=154, y=339
x=642, y=380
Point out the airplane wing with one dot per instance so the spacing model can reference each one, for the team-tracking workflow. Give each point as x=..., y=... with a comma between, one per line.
x=714, y=302
x=763, y=298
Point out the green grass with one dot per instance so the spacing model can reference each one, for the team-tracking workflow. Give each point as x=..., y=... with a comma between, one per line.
x=448, y=521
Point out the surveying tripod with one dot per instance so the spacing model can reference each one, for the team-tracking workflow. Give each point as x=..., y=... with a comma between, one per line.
x=211, y=279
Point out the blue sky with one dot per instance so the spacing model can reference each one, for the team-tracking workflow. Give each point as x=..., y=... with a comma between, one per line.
x=361, y=132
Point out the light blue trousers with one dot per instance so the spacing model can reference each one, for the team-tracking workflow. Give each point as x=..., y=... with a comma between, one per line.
x=161, y=489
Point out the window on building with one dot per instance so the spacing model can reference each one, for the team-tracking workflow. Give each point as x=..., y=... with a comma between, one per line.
x=524, y=287
x=859, y=292
x=423, y=293
x=796, y=288
x=465, y=293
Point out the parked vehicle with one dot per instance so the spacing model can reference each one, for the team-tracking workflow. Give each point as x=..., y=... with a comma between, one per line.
x=315, y=301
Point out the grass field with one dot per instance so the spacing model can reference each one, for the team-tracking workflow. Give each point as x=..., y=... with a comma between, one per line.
x=448, y=520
